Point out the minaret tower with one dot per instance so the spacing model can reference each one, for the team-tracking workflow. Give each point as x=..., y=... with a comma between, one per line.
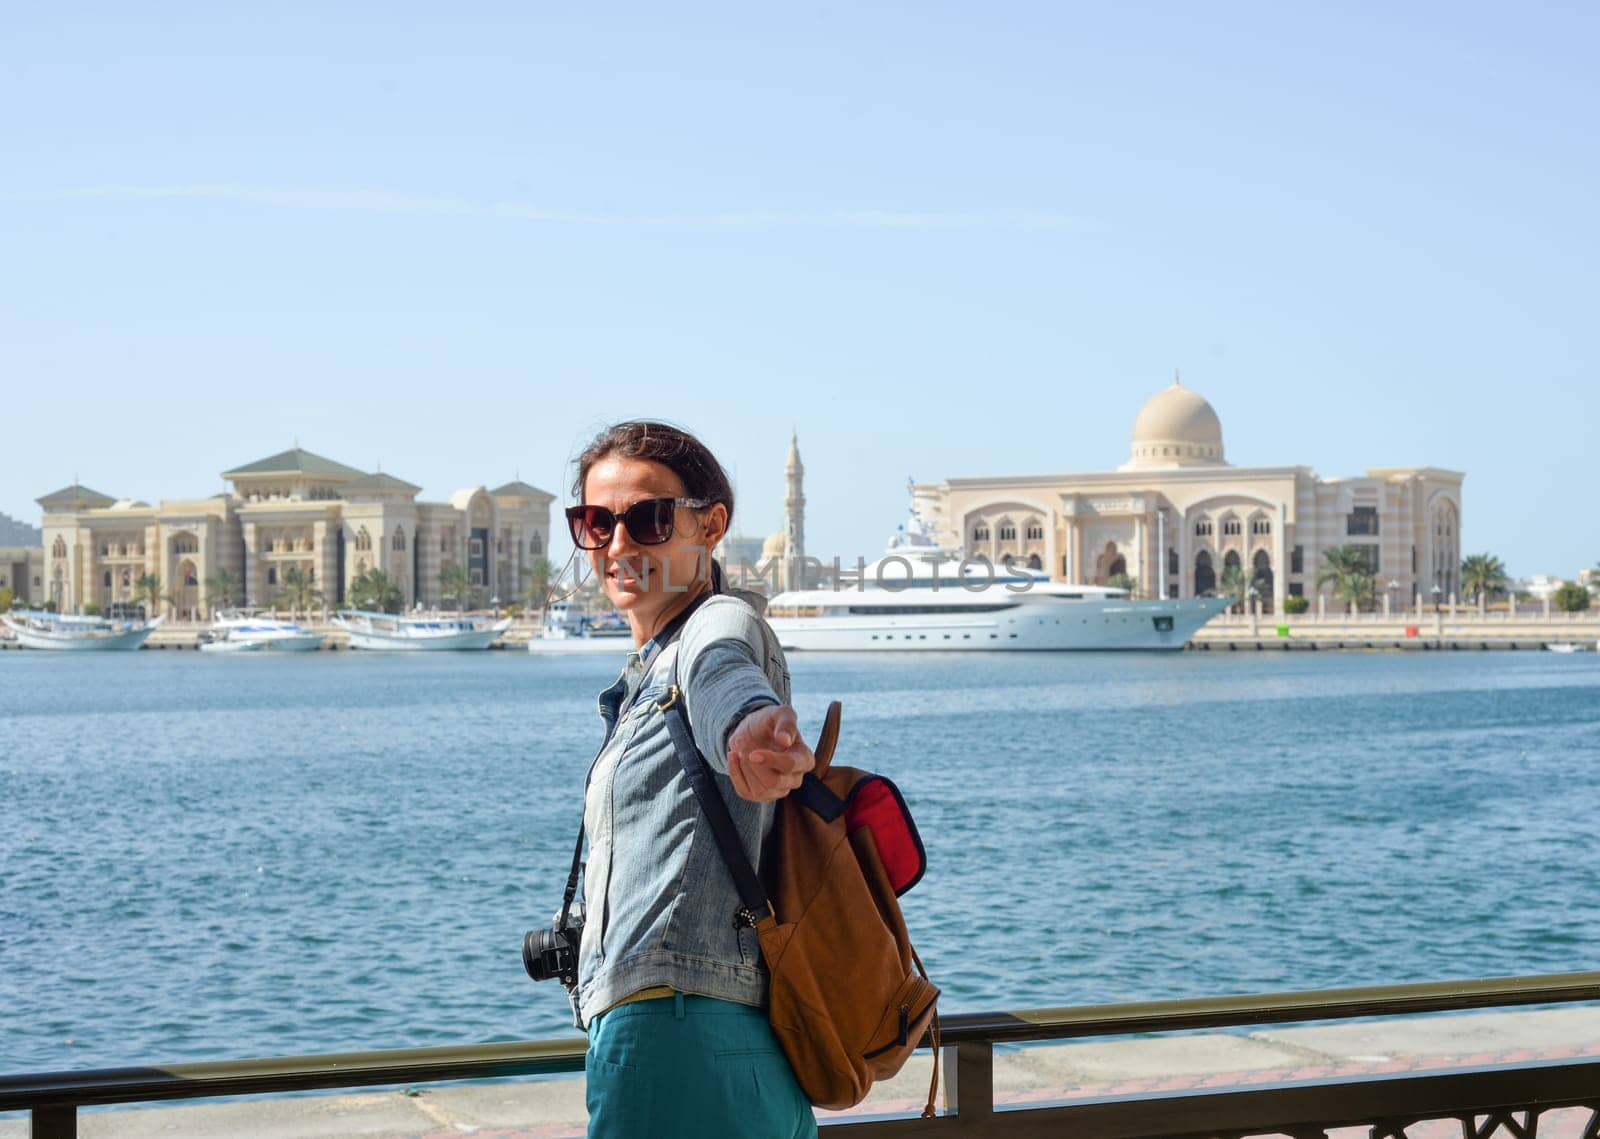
x=794, y=515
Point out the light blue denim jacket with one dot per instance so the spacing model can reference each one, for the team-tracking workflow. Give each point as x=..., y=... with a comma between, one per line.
x=659, y=900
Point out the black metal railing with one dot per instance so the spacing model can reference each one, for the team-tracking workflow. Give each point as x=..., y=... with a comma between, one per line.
x=1503, y=1097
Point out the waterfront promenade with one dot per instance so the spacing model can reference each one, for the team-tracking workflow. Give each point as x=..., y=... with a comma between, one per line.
x=1461, y=628
x=1030, y=1076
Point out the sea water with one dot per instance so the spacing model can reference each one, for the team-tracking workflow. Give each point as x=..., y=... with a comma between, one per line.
x=213, y=857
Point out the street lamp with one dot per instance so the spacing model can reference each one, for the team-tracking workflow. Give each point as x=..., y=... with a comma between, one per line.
x=1392, y=586
x=495, y=602
x=1437, y=593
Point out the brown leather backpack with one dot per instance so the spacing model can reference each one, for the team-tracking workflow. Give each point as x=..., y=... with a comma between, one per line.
x=849, y=1000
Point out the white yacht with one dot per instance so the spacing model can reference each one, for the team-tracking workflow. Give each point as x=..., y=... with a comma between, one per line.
x=39, y=630
x=922, y=597
x=391, y=632
x=565, y=630
x=234, y=632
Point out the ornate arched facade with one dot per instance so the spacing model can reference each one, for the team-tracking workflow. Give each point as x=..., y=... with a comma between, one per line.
x=292, y=511
x=1177, y=509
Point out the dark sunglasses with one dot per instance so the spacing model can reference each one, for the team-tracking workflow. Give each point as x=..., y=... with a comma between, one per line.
x=649, y=522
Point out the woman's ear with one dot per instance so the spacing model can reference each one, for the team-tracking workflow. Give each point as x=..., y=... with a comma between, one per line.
x=716, y=524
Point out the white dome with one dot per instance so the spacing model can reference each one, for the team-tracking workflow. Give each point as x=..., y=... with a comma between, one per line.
x=776, y=546
x=1176, y=428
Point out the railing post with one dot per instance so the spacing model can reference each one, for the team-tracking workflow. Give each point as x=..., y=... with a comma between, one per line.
x=969, y=1081
x=56, y=1122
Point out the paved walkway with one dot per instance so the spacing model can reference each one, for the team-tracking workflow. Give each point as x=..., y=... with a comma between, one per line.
x=552, y=1108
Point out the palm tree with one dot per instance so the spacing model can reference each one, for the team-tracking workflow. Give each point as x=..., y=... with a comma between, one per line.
x=375, y=591
x=1124, y=581
x=536, y=584
x=298, y=592
x=221, y=588
x=1345, y=568
x=455, y=584
x=1483, y=574
x=1235, y=585
x=148, y=589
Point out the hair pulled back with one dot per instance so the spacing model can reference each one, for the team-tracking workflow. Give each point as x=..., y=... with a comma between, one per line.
x=672, y=447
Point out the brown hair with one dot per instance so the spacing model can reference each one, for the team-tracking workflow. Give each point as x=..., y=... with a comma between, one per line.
x=672, y=447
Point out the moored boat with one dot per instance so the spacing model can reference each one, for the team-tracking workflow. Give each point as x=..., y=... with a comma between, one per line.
x=565, y=630
x=241, y=632
x=36, y=629
x=922, y=597
x=390, y=632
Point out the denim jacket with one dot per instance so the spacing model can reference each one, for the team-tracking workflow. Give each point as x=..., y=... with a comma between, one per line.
x=659, y=900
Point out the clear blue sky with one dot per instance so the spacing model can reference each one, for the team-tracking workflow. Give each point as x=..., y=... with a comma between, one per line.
x=937, y=239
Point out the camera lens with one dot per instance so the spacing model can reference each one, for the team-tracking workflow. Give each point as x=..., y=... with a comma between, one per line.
x=535, y=943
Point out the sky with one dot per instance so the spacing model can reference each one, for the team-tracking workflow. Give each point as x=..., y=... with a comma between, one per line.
x=935, y=240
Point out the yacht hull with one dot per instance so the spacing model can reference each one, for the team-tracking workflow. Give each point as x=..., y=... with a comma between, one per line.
x=305, y=644
x=1087, y=626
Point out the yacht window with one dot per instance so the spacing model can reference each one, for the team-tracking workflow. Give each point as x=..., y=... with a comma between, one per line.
x=923, y=610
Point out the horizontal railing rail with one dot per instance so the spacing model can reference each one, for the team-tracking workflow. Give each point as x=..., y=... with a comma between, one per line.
x=968, y=1041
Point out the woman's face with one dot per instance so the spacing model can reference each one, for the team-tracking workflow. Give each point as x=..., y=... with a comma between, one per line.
x=650, y=584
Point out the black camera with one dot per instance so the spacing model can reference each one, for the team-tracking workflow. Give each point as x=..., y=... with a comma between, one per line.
x=553, y=953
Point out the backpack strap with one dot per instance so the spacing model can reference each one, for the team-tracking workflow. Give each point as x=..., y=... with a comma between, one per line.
x=753, y=896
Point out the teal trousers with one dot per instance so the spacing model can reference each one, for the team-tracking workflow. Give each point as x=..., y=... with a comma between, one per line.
x=686, y=1067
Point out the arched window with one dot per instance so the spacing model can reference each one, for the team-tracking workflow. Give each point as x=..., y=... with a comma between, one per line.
x=1172, y=562
x=399, y=538
x=1202, y=529
x=980, y=532
x=1205, y=577
x=272, y=575
x=536, y=544
x=1260, y=526
x=1230, y=526
x=1034, y=562
x=59, y=550
x=108, y=579
x=1261, y=578
x=1231, y=561
x=1008, y=530
x=363, y=539
x=1035, y=530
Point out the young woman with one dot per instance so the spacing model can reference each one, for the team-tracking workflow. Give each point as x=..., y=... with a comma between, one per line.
x=671, y=988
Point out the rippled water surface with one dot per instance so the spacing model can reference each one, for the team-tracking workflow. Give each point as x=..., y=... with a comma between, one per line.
x=212, y=857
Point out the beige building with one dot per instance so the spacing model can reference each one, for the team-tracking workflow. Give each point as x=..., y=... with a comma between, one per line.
x=292, y=510
x=1176, y=515
x=22, y=572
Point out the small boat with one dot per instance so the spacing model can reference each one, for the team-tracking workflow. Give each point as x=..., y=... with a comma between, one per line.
x=35, y=629
x=391, y=632
x=234, y=632
x=1563, y=647
x=565, y=630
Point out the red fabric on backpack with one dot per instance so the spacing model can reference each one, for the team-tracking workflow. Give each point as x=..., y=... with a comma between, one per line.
x=876, y=804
